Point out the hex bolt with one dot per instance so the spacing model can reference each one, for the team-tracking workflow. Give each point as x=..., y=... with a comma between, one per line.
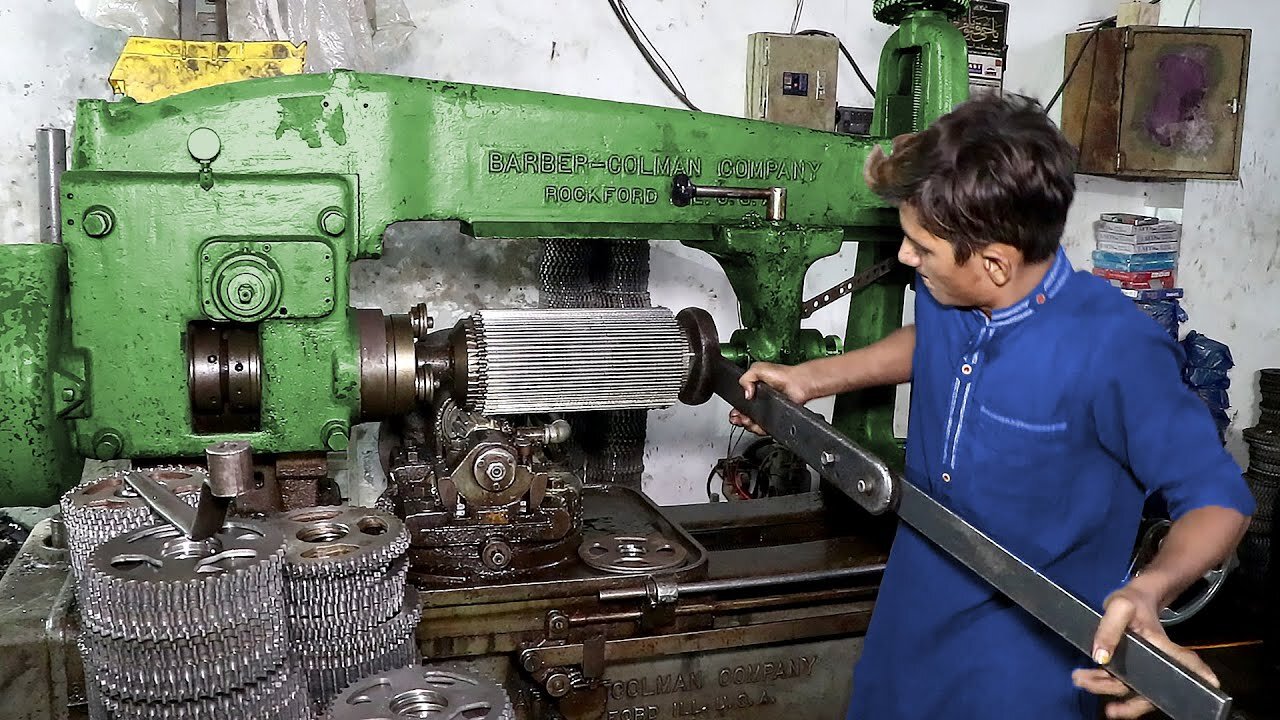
x=98, y=222
x=335, y=436
x=107, y=445
x=333, y=221
x=496, y=471
x=827, y=458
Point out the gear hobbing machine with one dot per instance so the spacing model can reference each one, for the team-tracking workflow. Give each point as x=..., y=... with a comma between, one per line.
x=194, y=291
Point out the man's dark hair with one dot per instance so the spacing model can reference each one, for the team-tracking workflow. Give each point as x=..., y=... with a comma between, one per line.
x=994, y=170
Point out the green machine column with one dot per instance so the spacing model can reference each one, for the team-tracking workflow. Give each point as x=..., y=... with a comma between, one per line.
x=924, y=70
x=38, y=388
x=923, y=75
x=766, y=267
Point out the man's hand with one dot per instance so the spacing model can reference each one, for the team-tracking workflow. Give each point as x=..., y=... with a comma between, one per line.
x=790, y=381
x=1131, y=608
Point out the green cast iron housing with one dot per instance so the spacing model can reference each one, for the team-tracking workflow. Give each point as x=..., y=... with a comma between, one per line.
x=245, y=204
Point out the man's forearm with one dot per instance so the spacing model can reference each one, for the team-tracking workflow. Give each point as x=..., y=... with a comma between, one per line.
x=1197, y=542
x=885, y=362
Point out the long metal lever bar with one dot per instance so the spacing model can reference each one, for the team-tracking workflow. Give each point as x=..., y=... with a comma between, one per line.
x=1180, y=693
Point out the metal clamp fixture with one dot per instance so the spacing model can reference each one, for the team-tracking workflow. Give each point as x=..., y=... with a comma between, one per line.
x=683, y=192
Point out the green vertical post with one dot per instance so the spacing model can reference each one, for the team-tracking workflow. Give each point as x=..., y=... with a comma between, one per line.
x=866, y=416
x=923, y=75
x=36, y=458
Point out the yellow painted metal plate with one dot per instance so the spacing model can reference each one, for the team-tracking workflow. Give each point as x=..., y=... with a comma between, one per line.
x=154, y=68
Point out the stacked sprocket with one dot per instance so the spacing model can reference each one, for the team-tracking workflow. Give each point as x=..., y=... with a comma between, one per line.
x=350, y=612
x=1269, y=384
x=106, y=507
x=447, y=692
x=178, y=628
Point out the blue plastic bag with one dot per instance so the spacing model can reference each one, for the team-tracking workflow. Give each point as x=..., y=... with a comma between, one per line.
x=1204, y=352
x=1206, y=378
x=1168, y=313
x=1214, y=398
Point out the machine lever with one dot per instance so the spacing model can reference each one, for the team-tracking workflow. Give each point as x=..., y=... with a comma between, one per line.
x=1177, y=691
x=683, y=192
x=230, y=472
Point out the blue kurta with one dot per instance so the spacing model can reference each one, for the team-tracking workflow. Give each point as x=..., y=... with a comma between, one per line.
x=1046, y=426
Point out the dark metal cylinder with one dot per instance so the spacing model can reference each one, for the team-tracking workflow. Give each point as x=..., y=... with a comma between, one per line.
x=51, y=162
x=388, y=364
x=230, y=468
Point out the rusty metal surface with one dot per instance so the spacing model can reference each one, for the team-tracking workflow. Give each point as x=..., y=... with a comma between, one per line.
x=809, y=680
x=40, y=671
x=1118, y=82
x=1091, y=99
x=781, y=651
x=300, y=479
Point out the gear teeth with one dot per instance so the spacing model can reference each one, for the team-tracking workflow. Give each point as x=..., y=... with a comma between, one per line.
x=350, y=613
x=131, y=591
x=370, y=698
x=340, y=541
x=332, y=664
x=278, y=696
x=174, y=628
x=101, y=508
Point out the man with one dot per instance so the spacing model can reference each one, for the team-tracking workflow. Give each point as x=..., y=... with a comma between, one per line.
x=1045, y=408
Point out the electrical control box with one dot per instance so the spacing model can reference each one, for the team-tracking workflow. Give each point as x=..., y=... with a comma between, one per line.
x=1157, y=102
x=791, y=79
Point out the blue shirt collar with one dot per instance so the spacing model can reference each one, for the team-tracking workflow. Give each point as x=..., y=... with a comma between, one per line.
x=1049, y=286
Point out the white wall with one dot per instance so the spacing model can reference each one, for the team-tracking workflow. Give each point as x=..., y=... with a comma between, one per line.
x=576, y=47
x=50, y=58
x=1231, y=236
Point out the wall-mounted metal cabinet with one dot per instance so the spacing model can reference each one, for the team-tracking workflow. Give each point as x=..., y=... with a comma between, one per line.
x=1158, y=102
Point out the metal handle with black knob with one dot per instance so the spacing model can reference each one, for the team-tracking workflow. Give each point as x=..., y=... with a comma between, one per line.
x=684, y=191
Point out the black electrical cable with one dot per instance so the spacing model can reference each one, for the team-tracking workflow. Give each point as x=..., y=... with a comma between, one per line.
x=847, y=56
x=672, y=82
x=1079, y=56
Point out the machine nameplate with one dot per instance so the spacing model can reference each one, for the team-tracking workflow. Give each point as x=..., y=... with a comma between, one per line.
x=739, y=684
x=544, y=162
x=568, y=163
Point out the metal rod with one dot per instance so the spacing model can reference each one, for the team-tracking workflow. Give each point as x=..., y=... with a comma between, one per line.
x=1169, y=686
x=1143, y=667
x=713, y=586
x=728, y=606
x=51, y=162
x=623, y=650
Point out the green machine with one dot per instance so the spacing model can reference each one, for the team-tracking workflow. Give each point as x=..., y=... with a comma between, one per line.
x=200, y=289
